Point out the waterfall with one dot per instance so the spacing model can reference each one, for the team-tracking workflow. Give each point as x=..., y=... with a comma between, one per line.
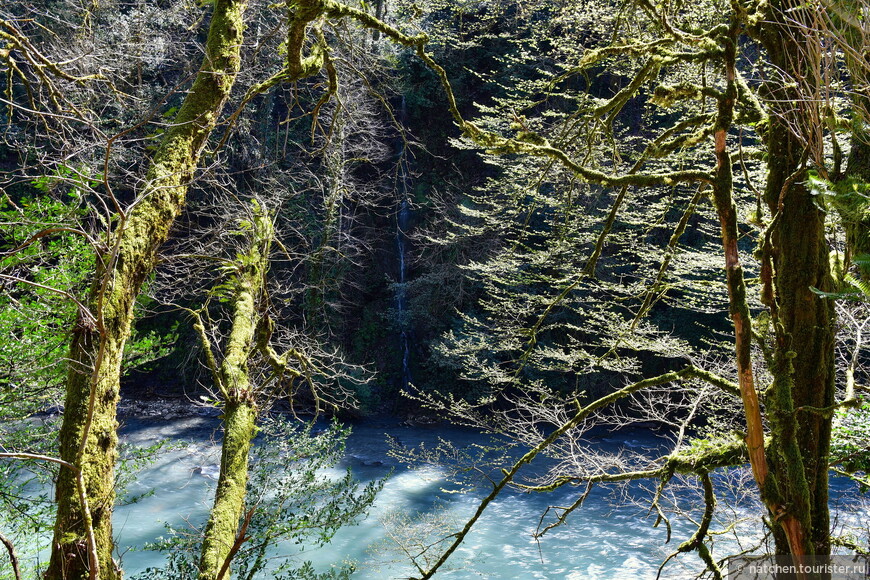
x=403, y=218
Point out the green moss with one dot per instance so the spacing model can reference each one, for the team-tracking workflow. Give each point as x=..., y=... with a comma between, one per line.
x=705, y=455
x=135, y=245
x=220, y=534
x=240, y=411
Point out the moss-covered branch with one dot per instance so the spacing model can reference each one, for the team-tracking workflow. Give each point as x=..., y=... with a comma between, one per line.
x=39, y=66
x=312, y=14
x=701, y=456
x=208, y=351
x=696, y=542
x=537, y=146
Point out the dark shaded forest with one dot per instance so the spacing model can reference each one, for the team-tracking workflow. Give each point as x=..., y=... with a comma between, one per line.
x=536, y=220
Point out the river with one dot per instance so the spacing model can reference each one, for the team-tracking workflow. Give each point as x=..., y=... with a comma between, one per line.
x=602, y=540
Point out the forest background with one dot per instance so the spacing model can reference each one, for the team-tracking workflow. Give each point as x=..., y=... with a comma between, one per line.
x=527, y=230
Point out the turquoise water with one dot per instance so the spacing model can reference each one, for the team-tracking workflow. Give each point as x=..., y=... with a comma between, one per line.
x=611, y=537
x=601, y=540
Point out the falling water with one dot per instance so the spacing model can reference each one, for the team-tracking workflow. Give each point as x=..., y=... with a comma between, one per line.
x=403, y=217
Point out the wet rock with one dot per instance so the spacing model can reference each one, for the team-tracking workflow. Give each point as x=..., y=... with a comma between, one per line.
x=209, y=471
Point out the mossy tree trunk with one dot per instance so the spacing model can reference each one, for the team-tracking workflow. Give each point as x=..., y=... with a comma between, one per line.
x=803, y=322
x=803, y=358
x=88, y=436
x=240, y=410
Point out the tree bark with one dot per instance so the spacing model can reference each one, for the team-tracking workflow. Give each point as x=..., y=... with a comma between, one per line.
x=803, y=371
x=88, y=436
x=13, y=557
x=726, y=209
x=803, y=322
x=240, y=428
x=240, y=413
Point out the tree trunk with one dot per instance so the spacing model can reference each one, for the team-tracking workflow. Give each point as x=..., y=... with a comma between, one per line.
x=803, y=352
x=803, y=322
x=240, y=420
x=88, y=434
x=723, y=200
x=726, y=209
x=240, y=413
